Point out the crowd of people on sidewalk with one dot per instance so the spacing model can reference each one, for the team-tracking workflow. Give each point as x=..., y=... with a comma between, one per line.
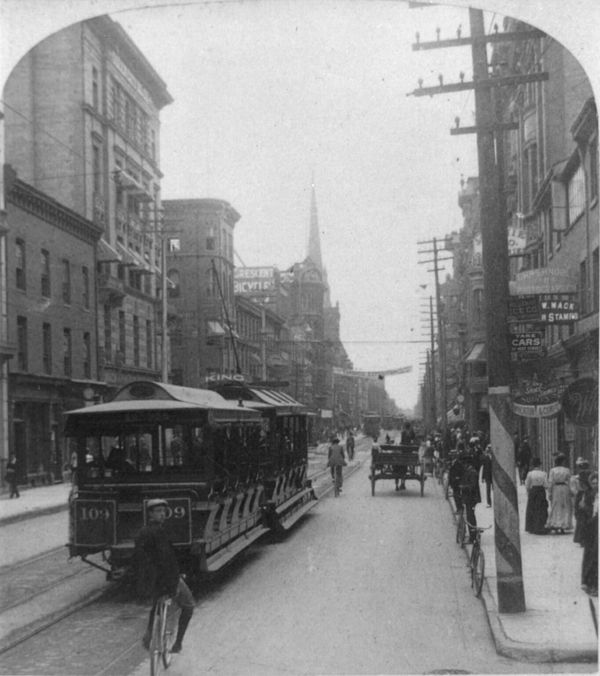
x=557, y=498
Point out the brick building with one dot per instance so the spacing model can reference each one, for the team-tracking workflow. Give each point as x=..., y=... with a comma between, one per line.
x=200, y=267
x=52, y=322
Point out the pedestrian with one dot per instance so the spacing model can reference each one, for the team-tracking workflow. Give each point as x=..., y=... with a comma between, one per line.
x=336, y=461
x=154, y=550
x=560, y=518
x=486, y=474
x=470, y=494
x=455, y=472
x=589, y=536
x=578, y=484
x=350, y=445
x=12, y=478
x=524, y=459
x=536, y=513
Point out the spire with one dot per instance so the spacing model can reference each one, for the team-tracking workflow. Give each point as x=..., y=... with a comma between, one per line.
x=314, y=238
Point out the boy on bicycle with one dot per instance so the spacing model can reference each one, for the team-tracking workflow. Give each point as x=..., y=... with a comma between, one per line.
x=154, y=545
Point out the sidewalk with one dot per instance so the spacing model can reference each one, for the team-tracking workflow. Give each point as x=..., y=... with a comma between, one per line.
x=34, y=502
x=557, y=625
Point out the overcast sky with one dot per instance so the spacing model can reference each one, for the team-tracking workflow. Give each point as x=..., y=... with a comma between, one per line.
x=269, y=94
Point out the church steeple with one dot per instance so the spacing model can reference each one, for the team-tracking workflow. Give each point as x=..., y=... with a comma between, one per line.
x=314, y=237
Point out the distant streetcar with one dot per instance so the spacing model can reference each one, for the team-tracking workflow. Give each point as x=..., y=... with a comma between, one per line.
x=231, y=469
x=372, y=425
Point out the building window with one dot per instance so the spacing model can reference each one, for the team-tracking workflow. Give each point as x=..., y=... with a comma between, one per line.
x=210, y=238
x=20, y=264
x=47, y=348
x=67, y=353
x=95, y=89
x=45, y=273
x=583, y=288
x=136, y=340
x=174, y=244
x=107, y=334
x=22, y=338
x=595, y=280
x=576, y=195
x=122, y=342
x=66, y=283
x=174, y=287
x=149, y=344
x=87, y=355
x=593, y=168
x=478, y=307
x=97, y=168
x=211, y=282
x=85, y=276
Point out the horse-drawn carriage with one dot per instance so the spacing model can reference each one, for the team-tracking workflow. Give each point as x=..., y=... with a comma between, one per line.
x=400, y=462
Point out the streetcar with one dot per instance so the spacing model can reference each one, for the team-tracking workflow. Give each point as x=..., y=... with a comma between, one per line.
x=231, y=470
x=372, y=425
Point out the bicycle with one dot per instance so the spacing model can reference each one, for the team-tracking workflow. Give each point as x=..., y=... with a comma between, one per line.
x=461, y=528
x=337, y=480
x=477, y=560
x=164, y=625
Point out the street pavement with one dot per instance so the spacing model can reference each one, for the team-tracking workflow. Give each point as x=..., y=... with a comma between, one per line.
x=557, y=625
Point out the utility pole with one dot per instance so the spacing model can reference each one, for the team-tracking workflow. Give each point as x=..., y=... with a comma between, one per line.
x=441, y=329
x=489, y=130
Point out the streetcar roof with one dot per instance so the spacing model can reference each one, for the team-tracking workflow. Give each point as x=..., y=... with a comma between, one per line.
x=151, y=396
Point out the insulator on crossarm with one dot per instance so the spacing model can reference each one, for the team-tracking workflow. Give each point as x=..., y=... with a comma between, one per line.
x=495, y=28
x=441, y=79
x=418, y=37
x=420, y=81
x=461, y=75
x=459, y=31
x=437, y=32
x=457, y=121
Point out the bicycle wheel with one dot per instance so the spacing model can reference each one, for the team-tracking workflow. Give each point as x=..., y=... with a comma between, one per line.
x=155, y=643
x=477, y=572
x=461, y=530
x=168, y=629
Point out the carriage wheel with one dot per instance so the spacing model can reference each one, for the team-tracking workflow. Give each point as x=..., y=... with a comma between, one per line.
x=422, y=485
x=372, y=481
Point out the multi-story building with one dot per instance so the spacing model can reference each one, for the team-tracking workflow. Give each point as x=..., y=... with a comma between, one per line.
x=82, y=125
x=52, y=322
x=200, y=269
x=552, y=174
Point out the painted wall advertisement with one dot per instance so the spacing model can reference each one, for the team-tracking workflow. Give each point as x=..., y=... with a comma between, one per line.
x=254, y=280
x=535, y=397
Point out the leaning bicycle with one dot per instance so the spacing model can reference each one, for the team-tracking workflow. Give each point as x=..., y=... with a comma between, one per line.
x=164, y=625
x=477, y=559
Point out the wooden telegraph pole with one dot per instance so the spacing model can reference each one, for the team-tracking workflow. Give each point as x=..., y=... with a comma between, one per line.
x=489, y=130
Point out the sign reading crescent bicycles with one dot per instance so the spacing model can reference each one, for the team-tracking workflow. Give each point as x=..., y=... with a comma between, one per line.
x=580, y=402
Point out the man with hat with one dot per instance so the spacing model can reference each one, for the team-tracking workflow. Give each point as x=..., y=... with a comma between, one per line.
x=154, y=545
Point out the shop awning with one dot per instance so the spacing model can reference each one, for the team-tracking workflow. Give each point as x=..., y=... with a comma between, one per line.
x=106, y=253
x=477, y=353
x=127, y=257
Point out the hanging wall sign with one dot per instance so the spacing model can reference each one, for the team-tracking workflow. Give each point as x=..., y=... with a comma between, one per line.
x=534, y=398
x=580, y=402
x=523, y=309
x=558, y=308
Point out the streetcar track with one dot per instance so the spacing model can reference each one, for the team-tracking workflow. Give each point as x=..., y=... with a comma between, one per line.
x=11, y=567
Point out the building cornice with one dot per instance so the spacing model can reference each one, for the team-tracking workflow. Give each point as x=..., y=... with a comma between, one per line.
x=39, y=204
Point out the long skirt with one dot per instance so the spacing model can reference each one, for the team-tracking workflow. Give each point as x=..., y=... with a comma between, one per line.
x=536, y=514
x=589, y=565
x=561, y=515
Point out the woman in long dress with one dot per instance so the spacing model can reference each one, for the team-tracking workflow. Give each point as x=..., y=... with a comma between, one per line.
x=536, y=483
x=561, y=508
x=589, y=536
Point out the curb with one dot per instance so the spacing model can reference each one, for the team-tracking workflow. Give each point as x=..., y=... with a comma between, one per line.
x=32, y=513
x=530, y=652
x=527, y=652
